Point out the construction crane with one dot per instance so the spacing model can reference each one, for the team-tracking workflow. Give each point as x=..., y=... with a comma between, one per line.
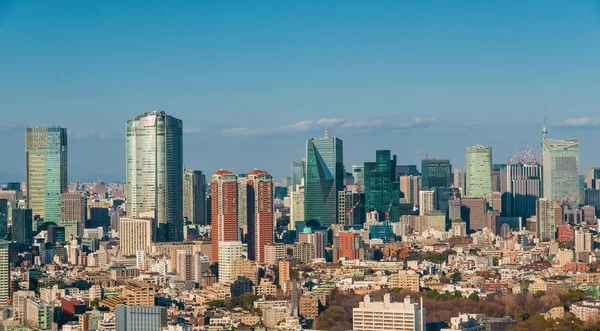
x=352, y=209
x=387, y=213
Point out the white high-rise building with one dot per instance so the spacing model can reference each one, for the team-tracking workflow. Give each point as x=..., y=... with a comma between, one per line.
x=229, y=252
x=140, y=260
x=584, y=241
x=201, y=264
x=426, y=201
x=388, y=315
x=135, y=235
x=297, y=205
x=155, y=172
x=560, y=169
x=479, y=172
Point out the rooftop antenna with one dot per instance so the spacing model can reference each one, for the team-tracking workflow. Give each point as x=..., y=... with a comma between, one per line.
x=545, y=128
x=326, y=133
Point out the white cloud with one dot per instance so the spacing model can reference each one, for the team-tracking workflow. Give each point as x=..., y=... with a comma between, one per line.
x=191, y=130
x=580, y=122
x=392, y=123
x=320, y=124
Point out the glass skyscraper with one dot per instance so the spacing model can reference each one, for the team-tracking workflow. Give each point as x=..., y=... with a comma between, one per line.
x=155, y=172
x=46, y=157
x=297, y=173
x=437, y=176
x=479, y=172
x=382, y=189
x=324, y=179
x=561, y=171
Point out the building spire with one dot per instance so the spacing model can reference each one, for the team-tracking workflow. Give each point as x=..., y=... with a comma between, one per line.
x=545, y=128
x=326, y=133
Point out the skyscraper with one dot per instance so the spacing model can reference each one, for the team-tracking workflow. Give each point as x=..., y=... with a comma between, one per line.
x=382, y=190
x=228, y=253
x=242, y=205
x=324, y=179
x=358, y=173
x=73, y=214
x=260, y=213
x=460, y=180
x=524, y=185
x=545, y=218
x=426, y=201
x=4, y=274
x=479, y=172
x=194, y=196
x=561, y=171
x=224, y=190
x=155, y=172
x=22, y=226
x=409, y=187
x=437, y=176
x=297, y=173
x=46, y=157
x=592, y=177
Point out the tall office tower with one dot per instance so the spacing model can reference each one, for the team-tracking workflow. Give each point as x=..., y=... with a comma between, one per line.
x=382, y=190
x=460, y=180
x=407, y=170
x=194, y=196
x=545, y=218
x=297, y=173
x=358, y=173
x=316, y=239
x=409, y=188
x=324, y=179
x=473, y=212
x=426, y=201
x=138, y=318
x=437, y=176
x=22, y=226
x=99, y=217
x=389, y=315
x=4, y=274
x=4, y=219
x=229, y=252
x=561, y=171
x=454, y=209
x=592, y=178
x=242, y=205
x=479, y=172
x=224, y=210
x=260, y=213
x=351, y=207
x=46, y=153
x=73, y=213
x=524, y=186
x=155, y=172
x=135, y=235
x=297, y=205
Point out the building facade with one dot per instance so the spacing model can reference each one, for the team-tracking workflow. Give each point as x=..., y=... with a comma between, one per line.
x=224, y=201
x=136, y=318
x=324, y=179
x=479, y=172
x=388, y=315
x=194, y=197
x=46, y=163
x=260, y=213
x=154, y=155
x=135, y=235
x=382, y=190
x=561, y=171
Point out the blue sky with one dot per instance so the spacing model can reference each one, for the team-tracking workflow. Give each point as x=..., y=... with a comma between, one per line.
x=252, y=80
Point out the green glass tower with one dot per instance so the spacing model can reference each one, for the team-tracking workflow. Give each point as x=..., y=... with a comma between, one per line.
x=479, y=172
x=324, y=179
x=154, y=154
x=382, y=189
x=46, y=157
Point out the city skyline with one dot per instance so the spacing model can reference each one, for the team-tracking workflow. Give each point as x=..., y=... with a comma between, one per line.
x=375, y=76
